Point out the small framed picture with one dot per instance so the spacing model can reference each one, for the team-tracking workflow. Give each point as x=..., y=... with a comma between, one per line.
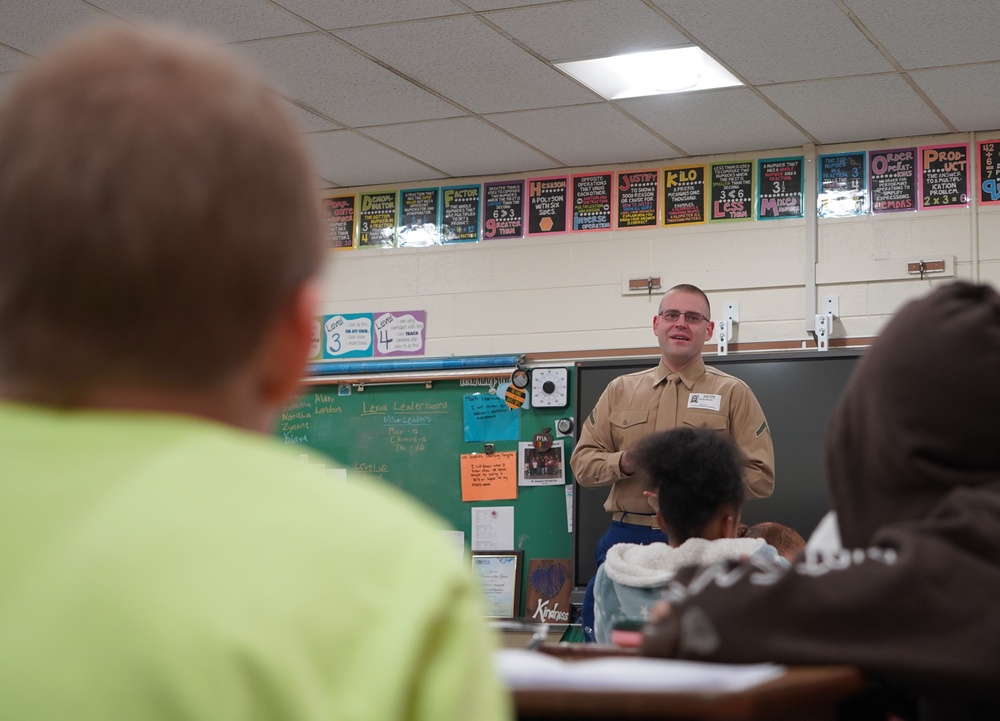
x=541, y=468
x=499, y=573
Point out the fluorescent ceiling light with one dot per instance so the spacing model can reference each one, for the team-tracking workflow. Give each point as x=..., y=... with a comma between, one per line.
x=656, y=72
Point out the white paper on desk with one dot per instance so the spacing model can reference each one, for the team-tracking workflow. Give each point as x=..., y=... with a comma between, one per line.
x=493, y=528
x=522, y=669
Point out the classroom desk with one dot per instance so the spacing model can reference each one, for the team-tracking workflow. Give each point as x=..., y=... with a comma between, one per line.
x=804, y=693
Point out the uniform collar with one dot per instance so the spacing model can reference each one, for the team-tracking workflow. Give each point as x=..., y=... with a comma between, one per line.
x=688, y=375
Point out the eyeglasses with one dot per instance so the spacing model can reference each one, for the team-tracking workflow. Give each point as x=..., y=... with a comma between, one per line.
x=691, y=316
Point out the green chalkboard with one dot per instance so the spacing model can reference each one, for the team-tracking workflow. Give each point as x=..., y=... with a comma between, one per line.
x=412, y=436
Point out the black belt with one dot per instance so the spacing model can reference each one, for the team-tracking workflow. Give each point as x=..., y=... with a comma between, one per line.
x=635, y=519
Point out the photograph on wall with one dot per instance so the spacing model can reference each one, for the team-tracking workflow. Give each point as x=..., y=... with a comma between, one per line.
x=503, y=209
x=892, y=175
x=338, y=217
x=419, y=221
x=732, y=191
x=944, y=176
x=377, y=220
x=989, y=164
x=548, y=205
x=592, y=202
x=843, y=187
x=538, y=467
x=779, y=188
x=684, y=195
x=638, y=191
x=460, y=214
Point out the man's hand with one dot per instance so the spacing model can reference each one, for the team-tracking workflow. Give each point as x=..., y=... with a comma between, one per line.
x=625, y=464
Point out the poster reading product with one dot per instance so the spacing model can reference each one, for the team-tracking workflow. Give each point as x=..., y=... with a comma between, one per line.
x=732, y=191
x=592, y=202
x=944, y=176
x=418, y=217
x=638, y=191
x=843, y=190
x=780, y=193
x=548, y=204
x=684, y=195
x=460, y=214
x=400, y=333
x=989, y=166
x=503, y=209
x=377, y=220
x=892, y=174
x=338, y=215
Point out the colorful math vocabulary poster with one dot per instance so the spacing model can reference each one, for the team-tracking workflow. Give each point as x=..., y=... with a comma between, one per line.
x=843, y=186
x=638, y=191
x=503, y=209
x=684, y=195
x=732, y=191
x=944, y=176
x=419, y=222
x=548, y=205
x=892, y=174
x=989, y=169
x=338, y=217
x=592, y=201
x=377, y=220
x=780, y=193
x=460, y=214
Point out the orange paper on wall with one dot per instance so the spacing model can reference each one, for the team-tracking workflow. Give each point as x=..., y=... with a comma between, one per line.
x=489, y=477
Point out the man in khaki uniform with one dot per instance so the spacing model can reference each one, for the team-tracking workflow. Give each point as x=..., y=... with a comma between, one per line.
x=681, y=390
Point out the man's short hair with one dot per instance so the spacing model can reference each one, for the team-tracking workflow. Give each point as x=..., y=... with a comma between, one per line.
x=688, y=288
x=157, y=213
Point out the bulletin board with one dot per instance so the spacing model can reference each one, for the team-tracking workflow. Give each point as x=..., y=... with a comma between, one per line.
x=413, y=436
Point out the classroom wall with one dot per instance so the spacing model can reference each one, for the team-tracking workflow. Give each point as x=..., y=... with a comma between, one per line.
x=563, y=293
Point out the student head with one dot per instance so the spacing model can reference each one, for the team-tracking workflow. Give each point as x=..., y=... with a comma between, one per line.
x=786, y=540
x=159, y=231
x=918, y=419
x=697, y=475
x=681, y=340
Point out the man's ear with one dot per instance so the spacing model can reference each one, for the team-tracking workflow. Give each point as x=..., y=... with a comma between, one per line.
x=289, y=344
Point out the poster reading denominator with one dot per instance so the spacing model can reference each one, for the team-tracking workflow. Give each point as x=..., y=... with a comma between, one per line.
x=732, y=191
x=638, y=191
x=592, y=202
x=684, y=195
x=780, y=188
x=377, y=220
x=503, y=209
x=548, y=204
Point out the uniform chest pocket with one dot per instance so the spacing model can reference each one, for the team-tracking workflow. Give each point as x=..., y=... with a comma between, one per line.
x=706, y=419
x=627, y=427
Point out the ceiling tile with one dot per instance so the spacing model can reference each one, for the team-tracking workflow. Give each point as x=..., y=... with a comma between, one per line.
x=494, y=4
x=929, y=33
x=585, y=135
x=780, y=40
x=11, y=60
x=31, y=26
x=863, y=108
x=465, y=60
x=229, y=20
x=729, y=120
x=324, y=74
x=588, y=28
x=306, y=121
x=331, y=14
x=959, y=93
x=349, y=159
x=462, y=146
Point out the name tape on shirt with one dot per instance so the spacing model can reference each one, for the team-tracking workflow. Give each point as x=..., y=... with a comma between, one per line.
x=705, y=401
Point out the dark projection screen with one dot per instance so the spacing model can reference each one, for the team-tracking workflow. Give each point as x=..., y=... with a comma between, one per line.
x=798, y=392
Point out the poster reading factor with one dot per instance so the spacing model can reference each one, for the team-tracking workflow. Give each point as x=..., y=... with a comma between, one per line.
x=547, y=205
x=338, y=216
x=377, y=220
x=637, y=194
x=892, y=174
x=989, y=165
x=592, y=202
x=503, y=209
x=460, y=214
x=780, y=188
x=732, y=191
x=843, y=190
x=418, y=218
x=944, y=176
x=684, y=195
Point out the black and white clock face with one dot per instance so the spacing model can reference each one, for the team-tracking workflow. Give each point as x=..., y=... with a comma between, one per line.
x=550, y=387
